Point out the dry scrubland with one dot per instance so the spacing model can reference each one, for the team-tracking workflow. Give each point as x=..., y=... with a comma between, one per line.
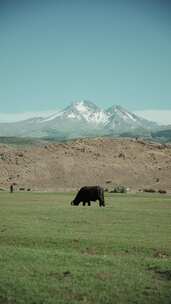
x=107, y=162
x=51, y=252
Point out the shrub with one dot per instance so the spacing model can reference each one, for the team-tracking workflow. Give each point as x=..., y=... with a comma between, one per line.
x=3, y=156
x=21, y=189
x=119, y=189
x=121, y=155
x=162, y=191
x=149, y=190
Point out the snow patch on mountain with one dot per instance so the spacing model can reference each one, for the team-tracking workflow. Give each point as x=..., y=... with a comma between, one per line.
x=53, y=116
x=72, y=115
x=81, y=107
x=128, y=115
x=90, y=112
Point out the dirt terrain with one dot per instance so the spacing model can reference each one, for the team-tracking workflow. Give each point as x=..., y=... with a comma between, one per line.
x=63, y=167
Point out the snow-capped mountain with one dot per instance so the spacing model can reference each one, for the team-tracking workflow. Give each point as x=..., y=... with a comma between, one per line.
x=86, y=110
x=81, y=110
x=80, y=118
x=122, y=120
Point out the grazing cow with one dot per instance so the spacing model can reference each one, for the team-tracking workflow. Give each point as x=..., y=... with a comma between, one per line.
x=88, y=194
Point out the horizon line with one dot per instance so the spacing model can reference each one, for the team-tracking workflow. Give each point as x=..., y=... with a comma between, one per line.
x=161, y=116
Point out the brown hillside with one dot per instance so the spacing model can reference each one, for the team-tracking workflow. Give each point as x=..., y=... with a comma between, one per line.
x=107, y=162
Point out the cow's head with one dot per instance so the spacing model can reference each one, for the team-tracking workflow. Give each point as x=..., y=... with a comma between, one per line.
x=74, y=203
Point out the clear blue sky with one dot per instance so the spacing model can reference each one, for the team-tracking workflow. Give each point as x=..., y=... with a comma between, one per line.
x=109, y=52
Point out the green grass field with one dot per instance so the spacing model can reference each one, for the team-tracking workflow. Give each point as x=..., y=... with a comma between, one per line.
x=51, y=252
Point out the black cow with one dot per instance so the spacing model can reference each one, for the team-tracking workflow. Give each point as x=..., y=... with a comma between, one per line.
x=87, y=194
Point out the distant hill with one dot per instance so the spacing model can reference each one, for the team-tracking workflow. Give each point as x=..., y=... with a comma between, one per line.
x=136, y=164
x=162, y=135
x=28, y=141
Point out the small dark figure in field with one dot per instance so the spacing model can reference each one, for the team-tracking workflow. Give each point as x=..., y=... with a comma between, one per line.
x=11, y=188
x=88, y=194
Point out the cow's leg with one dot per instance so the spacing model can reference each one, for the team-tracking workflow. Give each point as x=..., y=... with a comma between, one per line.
x=101, y=203
x=84, y=203
x=89, y=204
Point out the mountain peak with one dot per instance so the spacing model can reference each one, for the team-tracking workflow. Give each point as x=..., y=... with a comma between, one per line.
x=82, y=104
x=87, y=111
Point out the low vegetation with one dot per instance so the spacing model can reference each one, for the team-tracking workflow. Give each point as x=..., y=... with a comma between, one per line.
x=150, y=190
x=51, y=252
x=119, y=189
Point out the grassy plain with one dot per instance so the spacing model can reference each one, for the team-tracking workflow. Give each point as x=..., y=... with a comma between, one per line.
x=51, y=252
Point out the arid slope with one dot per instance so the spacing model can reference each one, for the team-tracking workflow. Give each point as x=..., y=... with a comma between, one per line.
x=107, y=162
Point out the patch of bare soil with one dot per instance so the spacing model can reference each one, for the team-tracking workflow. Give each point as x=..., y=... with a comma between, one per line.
x=107, y=162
